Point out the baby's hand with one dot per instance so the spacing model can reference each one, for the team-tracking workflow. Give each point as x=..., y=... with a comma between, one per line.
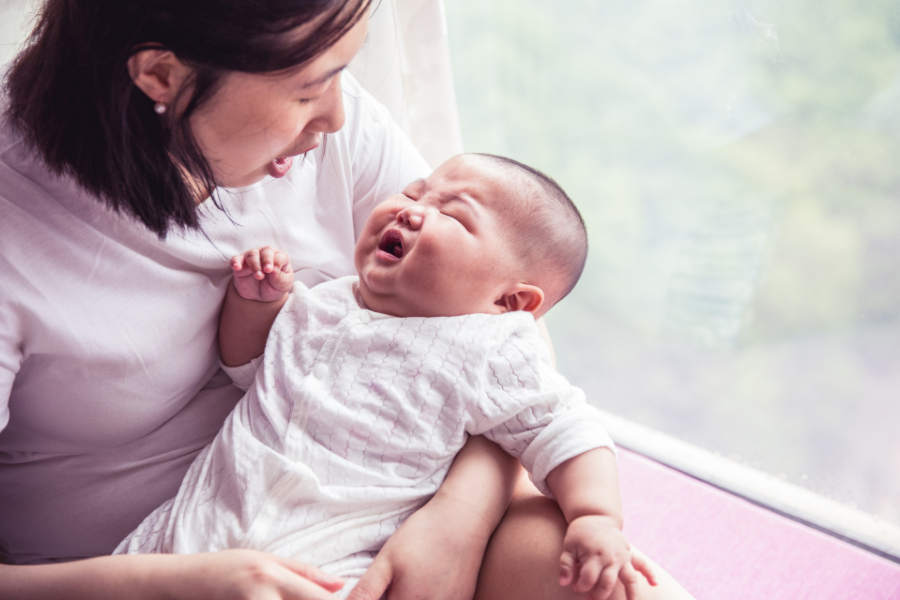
x=596, y=555
x=262, y=274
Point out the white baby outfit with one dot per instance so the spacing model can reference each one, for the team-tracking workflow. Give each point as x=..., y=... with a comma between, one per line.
x=352, y=423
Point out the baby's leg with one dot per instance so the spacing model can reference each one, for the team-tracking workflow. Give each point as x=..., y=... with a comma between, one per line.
x=522, y=558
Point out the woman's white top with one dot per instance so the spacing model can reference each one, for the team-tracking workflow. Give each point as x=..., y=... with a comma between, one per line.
x=109, y=377
x=352, y=422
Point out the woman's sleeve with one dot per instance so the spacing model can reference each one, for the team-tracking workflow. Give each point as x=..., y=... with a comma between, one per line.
x=10, y=351
x=383, y=159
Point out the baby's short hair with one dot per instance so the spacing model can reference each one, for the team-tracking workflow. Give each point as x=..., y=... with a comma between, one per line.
x=547, y=230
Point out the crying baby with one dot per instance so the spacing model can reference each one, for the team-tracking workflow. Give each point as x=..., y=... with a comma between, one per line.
x=369, y=385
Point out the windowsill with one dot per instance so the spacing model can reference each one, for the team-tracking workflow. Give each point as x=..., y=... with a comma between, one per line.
x=857, y=527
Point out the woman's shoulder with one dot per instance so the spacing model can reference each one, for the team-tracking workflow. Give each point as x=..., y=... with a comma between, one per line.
x=17, y=161
x=8, y=135
x=26, y=189
x=30, y=191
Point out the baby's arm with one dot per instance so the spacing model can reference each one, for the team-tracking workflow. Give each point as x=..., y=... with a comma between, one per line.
x=262, y=279
x=595, y=553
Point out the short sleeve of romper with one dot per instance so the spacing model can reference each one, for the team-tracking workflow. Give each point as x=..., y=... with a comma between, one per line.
x=528, y=408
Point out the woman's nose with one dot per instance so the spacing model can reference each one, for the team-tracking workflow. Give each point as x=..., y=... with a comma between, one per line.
x=331, y=114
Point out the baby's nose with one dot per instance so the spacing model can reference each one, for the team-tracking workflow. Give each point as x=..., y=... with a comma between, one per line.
x=411, y=216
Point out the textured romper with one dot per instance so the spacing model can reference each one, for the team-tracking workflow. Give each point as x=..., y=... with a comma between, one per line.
x=351, y=423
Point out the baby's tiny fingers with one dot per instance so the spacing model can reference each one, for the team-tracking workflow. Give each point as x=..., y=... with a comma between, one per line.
x=282, y=261
x=237, y=262
x=281, y=281
x=267, y=259
x=606, y=583
x=251, y=259
x=629, y=578
x=566, y=569
x=588, y=573
x=642, y=565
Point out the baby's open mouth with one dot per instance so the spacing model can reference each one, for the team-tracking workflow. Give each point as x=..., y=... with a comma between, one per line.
x=392, y=243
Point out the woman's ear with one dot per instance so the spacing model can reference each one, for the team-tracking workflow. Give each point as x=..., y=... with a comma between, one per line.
x=158, y=73
x=523, y=296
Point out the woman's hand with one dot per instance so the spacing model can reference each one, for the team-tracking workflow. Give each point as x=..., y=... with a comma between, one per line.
x=227, y=575
x=436, y=554
x=262, y=274
x=426, y=558
x=251, y=575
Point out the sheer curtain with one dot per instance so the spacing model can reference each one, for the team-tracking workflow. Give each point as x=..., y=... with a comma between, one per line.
x=736, y=164
x=15, y=23
x=405, y=63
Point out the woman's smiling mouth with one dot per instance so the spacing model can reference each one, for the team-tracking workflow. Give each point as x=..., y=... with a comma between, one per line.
x=391, y=244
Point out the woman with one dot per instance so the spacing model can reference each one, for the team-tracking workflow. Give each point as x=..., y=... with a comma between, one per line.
x=144, y=143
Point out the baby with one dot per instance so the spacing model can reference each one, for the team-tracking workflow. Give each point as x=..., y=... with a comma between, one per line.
x=370, y=385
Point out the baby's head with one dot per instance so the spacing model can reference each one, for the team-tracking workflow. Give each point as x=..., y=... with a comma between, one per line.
x=482, y=234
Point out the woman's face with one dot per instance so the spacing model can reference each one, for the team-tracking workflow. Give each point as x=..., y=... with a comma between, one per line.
x=256, y=121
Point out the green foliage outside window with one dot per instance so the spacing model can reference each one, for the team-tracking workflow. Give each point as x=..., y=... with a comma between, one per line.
x=738, y=164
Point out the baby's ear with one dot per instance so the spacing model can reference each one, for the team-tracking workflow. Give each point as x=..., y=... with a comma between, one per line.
x=523, y=296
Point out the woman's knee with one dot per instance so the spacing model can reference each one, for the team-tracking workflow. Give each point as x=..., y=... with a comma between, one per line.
x=522, y=558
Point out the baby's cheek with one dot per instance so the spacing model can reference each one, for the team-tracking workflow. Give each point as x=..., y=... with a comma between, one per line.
x=432, y=272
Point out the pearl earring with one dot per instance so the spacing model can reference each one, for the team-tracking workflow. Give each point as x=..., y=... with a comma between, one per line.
x=159, y=108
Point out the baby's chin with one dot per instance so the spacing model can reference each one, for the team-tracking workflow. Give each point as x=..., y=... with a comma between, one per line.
x=392, y=304
x=386, y=304
x=397, y=304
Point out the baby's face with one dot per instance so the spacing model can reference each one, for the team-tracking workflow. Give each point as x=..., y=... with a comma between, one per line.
x=438, y=249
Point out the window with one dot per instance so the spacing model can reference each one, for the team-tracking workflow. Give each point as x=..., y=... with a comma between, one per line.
x=738, y=165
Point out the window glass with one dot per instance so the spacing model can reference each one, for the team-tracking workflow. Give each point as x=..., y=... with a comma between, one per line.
x=738, y=165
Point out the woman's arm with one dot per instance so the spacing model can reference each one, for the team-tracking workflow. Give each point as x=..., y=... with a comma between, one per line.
x=232, y=575
x=437, y=552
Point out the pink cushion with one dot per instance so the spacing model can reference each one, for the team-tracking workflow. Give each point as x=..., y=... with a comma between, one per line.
x=721, y=547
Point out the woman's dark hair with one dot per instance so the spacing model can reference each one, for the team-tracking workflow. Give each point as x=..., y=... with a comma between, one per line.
x=72, y=98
